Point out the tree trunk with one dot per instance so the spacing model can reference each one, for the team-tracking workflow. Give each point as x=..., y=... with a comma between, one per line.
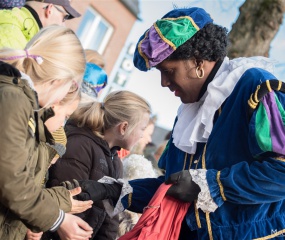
x=255, y=28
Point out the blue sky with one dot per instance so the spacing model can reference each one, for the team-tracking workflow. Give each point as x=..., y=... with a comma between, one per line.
x=147, y=84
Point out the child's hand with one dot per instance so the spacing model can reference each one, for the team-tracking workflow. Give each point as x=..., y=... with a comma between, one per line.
x=33, y=236
x=78, y=206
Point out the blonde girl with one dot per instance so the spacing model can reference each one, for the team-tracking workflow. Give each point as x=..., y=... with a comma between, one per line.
x=95, y=132
x=31, y=80
x=53, y=59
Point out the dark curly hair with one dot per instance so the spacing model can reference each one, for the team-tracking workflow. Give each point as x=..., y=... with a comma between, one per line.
x=209, y=43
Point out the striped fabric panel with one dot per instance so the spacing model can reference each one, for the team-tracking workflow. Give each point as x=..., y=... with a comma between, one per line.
x=270, y=124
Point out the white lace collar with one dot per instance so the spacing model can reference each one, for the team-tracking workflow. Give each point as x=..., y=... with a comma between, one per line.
x=195, y=120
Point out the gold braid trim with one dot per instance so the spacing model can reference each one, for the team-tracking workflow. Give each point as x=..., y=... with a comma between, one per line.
x=256, y=94
x=209, y=226
x=197, y=215
x=279, y=85
x=185, y=158
x=252, y=106
x=221, y=186
x=280, y=159
x=141, y=53
x=271, y=236
x=189, y=18
x=171, y=44
x=193, y=22
x=268, y=86
x=195, y=202
x=130, y=199
x=208, y=220
x=191, y=160
x=203, y=158
x=220, y=111
x=251, y=102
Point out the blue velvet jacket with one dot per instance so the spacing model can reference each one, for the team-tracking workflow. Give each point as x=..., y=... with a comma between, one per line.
x=248, y=188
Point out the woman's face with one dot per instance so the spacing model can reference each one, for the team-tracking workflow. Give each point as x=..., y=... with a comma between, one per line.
x=137, y=133
x=53, y=92
x=62, y=113
x=180, y=77
x=146, y=136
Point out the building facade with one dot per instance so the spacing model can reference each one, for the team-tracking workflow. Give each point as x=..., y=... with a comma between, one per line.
x=104, y=26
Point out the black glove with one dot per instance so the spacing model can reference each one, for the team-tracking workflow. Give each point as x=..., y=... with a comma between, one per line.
x=93, y=190
x=83, y=196
x=183, y=188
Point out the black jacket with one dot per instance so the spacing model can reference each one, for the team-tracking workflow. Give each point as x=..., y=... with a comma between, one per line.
x=88, y=157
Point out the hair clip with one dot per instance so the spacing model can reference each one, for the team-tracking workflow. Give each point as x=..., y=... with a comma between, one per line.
x=102, y=106
x=39, y=60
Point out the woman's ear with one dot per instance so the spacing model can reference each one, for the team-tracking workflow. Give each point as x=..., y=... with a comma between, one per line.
x=199, y=63
x=55, y=82
x=123, y=127
x=55, y=106
x=48, y=10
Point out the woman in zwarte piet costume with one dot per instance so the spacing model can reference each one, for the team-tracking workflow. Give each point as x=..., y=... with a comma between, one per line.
x=226, y=155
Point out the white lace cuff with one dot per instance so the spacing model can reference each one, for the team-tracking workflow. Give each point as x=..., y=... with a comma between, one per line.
x=205, y=201
x=126, y=189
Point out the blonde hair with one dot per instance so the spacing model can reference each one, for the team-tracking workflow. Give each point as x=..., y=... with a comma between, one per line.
x=54, y=53
x=93, y=56
x=70, y=98
x=117, y=107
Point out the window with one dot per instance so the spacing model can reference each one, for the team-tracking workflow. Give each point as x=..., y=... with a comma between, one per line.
x=94, y=32
x=121, y=78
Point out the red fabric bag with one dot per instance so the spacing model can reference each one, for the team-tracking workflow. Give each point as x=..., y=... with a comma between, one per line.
x=161, y=219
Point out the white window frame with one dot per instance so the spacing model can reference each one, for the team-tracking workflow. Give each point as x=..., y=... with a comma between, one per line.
x=86, y=39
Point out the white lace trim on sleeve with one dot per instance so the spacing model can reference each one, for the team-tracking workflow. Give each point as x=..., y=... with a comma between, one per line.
x=205, y=201
x=126, y=189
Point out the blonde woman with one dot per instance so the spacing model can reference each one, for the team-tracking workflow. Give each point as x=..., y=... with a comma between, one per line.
x=32, y=80
x=95, y=132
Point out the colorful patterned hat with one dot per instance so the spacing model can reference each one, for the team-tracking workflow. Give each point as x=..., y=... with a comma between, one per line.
x=95, y=79
x=167, y=34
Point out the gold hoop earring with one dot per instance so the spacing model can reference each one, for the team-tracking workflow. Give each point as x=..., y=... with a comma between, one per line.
x=197, y=73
